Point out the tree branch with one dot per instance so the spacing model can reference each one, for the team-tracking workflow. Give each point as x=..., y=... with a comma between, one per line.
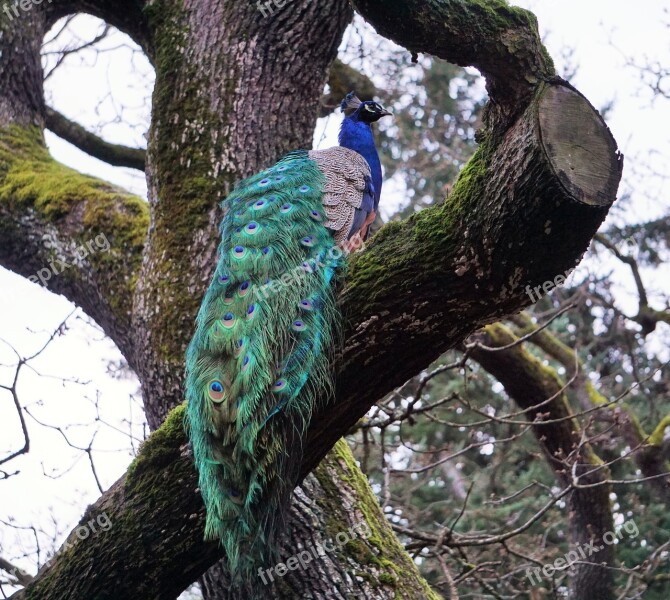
x=647, y=450
x=510, y=224
x=500, y=40
x=21, y=577
x=74, y=234
x=154, y=548
x=523, y=210
x=646, y=316
x=342, y=79
x=127, y=16
x=113, y=154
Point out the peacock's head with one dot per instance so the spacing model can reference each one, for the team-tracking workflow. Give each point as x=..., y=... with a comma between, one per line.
x=368, y=111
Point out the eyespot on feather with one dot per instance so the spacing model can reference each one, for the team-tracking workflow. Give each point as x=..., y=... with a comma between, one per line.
x=239, y=346
x=215, y=391
x=252, y=228
x=251, y=312
x=228, y=320
x=236, y=496
x=240, y=252
x=299, y=326
x=306, y=304
x=244, y=289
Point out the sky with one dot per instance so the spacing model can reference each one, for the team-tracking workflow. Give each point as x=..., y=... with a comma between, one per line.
x=56, y=482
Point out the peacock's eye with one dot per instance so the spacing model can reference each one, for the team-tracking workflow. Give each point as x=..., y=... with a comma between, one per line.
x=369, y=108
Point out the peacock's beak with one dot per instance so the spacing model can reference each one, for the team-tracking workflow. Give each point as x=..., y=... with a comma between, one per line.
x=385, y=113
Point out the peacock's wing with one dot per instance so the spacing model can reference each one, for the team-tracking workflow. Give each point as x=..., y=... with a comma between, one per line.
x=258, y=363
x=349, y=196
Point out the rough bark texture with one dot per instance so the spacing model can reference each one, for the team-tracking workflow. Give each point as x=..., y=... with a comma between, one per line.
x=225, y=105
x=502, y=41
x=335, y=500
x=48, y=215
x=230, y=98
x=509, y=223
x=21, y=100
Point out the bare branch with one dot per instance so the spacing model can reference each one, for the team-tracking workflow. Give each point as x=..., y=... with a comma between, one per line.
x=113, y=154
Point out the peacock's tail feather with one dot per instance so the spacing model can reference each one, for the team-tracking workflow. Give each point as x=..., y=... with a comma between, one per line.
x=258, y=364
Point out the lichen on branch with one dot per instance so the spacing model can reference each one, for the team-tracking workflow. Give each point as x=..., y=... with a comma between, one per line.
x=49, y=211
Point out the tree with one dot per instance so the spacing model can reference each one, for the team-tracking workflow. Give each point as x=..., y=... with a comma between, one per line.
x=230, y=97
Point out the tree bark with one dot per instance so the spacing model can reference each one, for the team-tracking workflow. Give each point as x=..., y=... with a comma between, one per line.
x=511, y=224
x=225, y=105
x=154, y=548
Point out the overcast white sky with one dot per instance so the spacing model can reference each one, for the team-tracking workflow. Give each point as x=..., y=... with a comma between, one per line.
x=603, y=34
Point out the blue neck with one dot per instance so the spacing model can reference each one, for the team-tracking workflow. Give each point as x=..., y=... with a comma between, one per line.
x=357, y=135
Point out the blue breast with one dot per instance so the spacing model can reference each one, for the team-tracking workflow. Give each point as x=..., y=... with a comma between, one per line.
x=357, y=135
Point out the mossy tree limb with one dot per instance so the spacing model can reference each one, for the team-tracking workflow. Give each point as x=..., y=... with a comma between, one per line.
x=424, y=284
x=76, y=235
x=539, y=390
x=500, y=40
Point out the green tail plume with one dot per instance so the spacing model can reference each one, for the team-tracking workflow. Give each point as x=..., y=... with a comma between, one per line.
x=258, y=364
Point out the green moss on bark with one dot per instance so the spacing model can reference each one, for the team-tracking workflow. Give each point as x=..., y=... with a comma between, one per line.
x=81, y=207
x=160, y=448
x=186, y=140
x=389, y=557
x=399, y=247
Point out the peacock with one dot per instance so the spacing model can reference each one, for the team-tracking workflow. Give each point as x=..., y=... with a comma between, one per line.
x=258, y=364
